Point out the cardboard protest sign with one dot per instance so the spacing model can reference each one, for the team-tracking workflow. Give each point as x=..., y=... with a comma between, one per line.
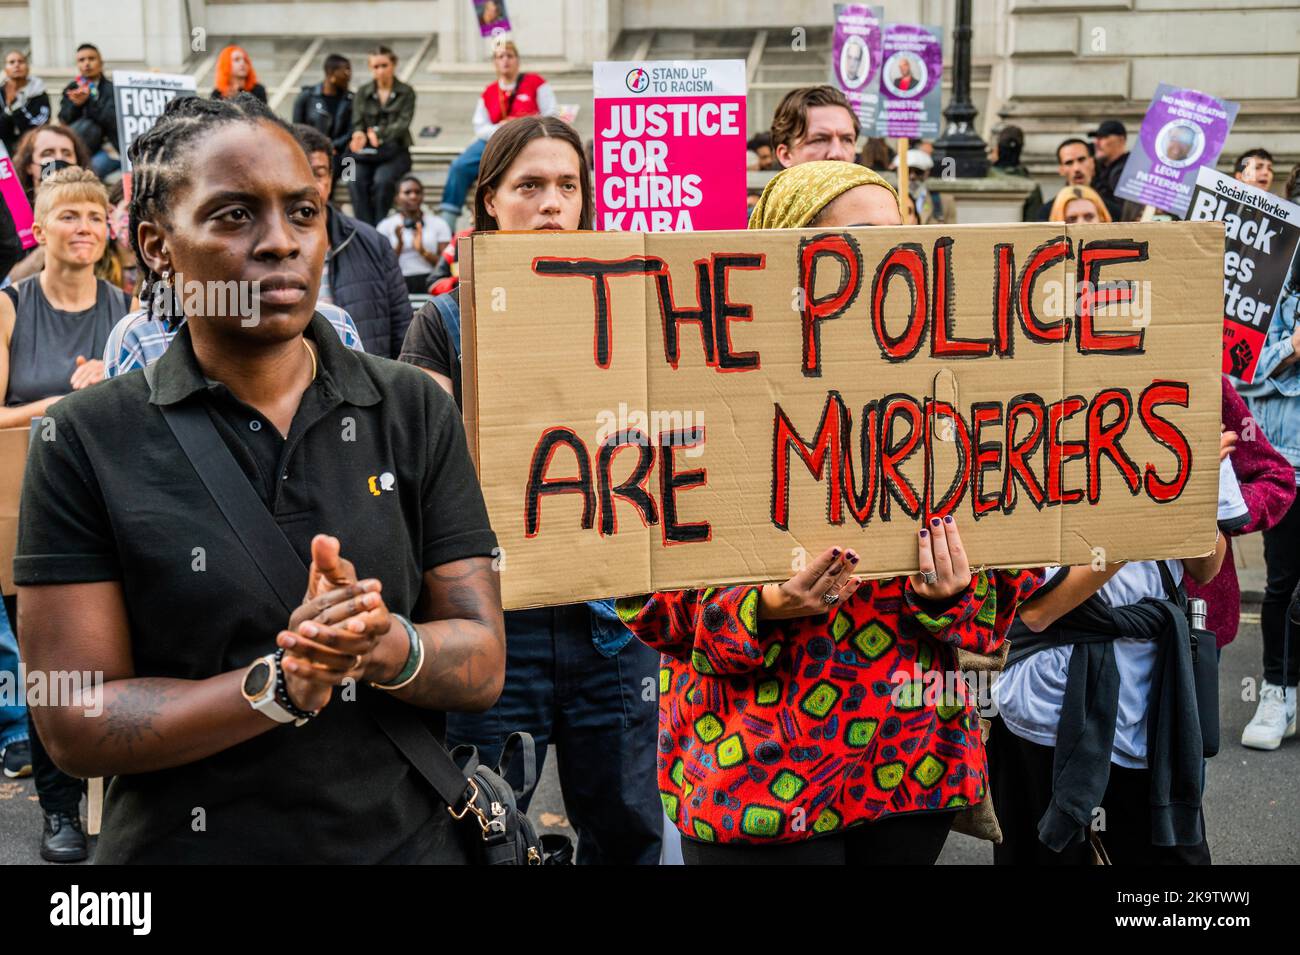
x=1261, y=233
x=141, y=99
x=11, y=192
x=654, y=412
x=13, y=461
x=670, y=145
x=856, y=59
x=910, y=80
x=492, y=17
x=1182, y=131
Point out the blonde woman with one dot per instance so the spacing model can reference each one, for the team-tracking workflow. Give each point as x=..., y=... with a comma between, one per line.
x=1074, y=205
x=53, y=327
x=511, y=95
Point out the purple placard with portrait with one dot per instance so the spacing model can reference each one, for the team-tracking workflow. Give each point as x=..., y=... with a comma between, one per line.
x=492, y=17
x=910, y=81
x=1183, y=130
x=855, y=58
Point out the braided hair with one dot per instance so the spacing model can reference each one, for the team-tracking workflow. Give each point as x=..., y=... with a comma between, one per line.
x=158, y=160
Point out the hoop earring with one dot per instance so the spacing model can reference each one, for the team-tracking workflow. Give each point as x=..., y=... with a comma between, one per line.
x=162, y=300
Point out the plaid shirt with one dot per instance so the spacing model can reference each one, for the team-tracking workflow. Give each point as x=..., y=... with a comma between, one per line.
x=139, y=339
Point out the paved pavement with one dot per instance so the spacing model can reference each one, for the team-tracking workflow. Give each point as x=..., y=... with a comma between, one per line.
x=1252, y=803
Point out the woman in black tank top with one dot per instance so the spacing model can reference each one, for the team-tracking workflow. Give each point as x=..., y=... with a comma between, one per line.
x=53, y=326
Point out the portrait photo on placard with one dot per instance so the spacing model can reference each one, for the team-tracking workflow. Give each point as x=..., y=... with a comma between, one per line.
x=905, y=75
x=492, y=17
x=1180, y=143
x=855, y=63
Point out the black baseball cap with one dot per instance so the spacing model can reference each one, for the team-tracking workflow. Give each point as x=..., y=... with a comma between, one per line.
x=1111, y=127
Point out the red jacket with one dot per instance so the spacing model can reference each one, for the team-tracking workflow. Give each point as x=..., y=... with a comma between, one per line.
x=522, y=102
x=775, y=731
x=1268, y=486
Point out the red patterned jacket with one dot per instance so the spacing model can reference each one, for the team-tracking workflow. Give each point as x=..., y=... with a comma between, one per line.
x=774, y=731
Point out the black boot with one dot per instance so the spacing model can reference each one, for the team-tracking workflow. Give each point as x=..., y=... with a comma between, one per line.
x=63, y=840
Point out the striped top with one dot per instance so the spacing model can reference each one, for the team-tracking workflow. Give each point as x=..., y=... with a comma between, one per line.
x=140, y=339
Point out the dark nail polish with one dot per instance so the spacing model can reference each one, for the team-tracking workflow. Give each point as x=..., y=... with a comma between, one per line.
x=935, y=522
x=853, y=559
x=835, y=552
x=925, y=533
x=948, y=519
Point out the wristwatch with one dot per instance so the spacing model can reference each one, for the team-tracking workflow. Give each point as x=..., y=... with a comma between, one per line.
x=263, y=687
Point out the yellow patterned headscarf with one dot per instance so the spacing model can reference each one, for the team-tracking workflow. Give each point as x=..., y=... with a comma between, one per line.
x=794, y=196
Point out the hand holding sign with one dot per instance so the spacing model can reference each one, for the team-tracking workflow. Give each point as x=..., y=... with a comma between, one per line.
x=1059, y=430
x=945, y=571
x=1227, y=444
x=823, y=584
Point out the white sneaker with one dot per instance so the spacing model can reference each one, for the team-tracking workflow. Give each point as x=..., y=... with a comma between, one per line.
x=1274, y=720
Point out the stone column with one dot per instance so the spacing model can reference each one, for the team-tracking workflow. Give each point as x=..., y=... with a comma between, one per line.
x=52, y=43
x=127, y=32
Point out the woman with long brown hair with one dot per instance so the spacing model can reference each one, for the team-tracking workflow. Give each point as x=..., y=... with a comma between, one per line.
x=380, y=147
x=41, y=152
x=574, y=675
x=47, y=144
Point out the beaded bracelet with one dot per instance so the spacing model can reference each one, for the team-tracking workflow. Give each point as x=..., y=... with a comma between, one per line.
x=282, y=692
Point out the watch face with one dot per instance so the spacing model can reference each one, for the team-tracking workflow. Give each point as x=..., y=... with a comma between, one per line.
x=257, y=679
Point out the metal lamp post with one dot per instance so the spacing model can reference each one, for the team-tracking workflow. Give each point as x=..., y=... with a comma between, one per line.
x=960, y=142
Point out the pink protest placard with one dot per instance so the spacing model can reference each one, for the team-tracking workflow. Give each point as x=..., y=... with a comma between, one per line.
x=670, y=145
x=11, y=191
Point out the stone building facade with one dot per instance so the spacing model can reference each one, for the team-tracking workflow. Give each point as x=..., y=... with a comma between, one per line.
x=1052, y=66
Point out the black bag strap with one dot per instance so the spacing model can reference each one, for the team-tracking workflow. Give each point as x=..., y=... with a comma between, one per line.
x=1175, y=593
x=510, y=100
x=280, y=565
x=519, y=745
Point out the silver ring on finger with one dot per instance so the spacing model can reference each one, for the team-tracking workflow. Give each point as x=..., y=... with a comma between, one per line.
x=930, y=577
x=830, y=598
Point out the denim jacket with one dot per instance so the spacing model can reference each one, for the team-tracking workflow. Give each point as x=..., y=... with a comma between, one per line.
x=1274, y=400
x=608, y=632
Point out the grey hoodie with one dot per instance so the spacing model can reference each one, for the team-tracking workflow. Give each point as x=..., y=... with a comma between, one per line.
x=35, y=88
x=30, y=108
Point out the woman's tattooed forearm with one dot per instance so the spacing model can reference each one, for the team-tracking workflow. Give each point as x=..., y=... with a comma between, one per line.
x=129, y=713
x=467, y=647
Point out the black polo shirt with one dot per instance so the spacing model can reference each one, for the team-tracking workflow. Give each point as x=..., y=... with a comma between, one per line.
x=376, y=456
